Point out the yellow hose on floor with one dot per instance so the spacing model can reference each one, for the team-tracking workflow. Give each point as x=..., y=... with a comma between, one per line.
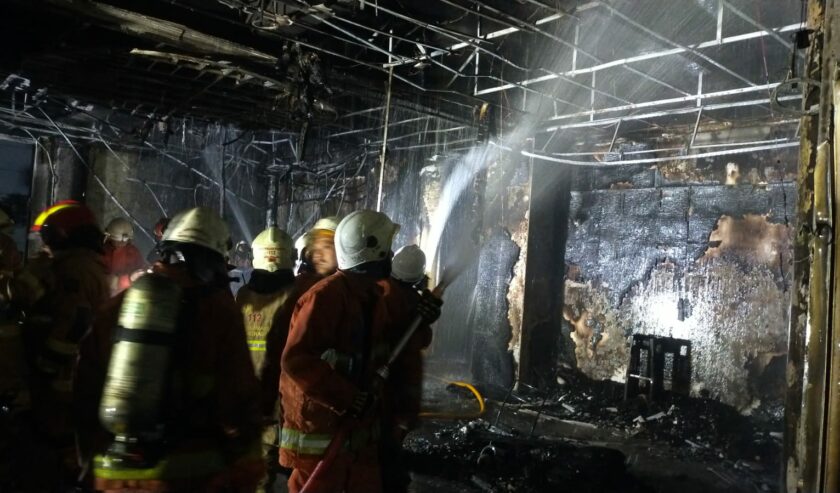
x=472, y=415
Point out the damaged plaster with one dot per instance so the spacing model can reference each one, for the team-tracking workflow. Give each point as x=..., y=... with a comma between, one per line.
x=731, y=304
x=516, y=289
x=737, y=319
x=751, y=239
x=598, y=335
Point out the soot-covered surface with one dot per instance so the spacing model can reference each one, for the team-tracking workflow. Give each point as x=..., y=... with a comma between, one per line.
x=708, y=263
x=480, y=457
x=586, y=438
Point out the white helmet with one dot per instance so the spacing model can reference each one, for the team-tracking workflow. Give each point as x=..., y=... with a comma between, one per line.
x=409, y=264
x=301, y=244
x=119, y=229
x=199, y=226
x=6, y=223
x=273, y=250
x=364, y=236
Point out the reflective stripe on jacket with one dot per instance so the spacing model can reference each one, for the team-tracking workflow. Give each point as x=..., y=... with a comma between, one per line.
x=294, y=441
x=258, y=313
x=343, y=312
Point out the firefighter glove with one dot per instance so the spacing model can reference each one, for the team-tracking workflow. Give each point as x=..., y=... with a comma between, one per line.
x=362, y=403
x=429, y=307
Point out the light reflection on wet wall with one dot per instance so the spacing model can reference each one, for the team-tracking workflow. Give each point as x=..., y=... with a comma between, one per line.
x=710, y=263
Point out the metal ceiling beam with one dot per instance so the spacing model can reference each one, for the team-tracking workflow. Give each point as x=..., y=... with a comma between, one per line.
x=672, y=112
x=423, y=133
x=354, y=39
x=702, y=155
x=378, y=32
x=359, y=41
x=380, y=127
x=502, y=33
x=639, y=58
x=664, y=102
x=650, y=32
x=755, y=23
x=676, y=149
x=362, y=112
x=513, y=21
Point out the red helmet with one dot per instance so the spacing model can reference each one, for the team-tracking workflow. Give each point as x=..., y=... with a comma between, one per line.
x=42, y=217
x=63, y=220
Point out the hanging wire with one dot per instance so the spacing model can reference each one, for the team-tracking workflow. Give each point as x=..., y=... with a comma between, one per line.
x=98, y=179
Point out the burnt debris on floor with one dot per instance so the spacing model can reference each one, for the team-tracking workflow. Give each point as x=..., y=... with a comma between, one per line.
x=586, y=437
x=488, y=458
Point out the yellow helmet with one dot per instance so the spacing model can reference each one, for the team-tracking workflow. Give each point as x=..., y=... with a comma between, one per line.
x=273, y=250
x=199, y=226
x=323, y=228
x=329, y=223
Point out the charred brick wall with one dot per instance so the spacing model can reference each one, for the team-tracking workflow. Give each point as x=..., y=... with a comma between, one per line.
x=677, y=252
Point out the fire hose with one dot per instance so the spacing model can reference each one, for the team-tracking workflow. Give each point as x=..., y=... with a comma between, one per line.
x=455, y=415
x=382, y=374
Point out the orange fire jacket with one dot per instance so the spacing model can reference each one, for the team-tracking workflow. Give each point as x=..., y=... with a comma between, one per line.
x=405, y=386
x=343, y=314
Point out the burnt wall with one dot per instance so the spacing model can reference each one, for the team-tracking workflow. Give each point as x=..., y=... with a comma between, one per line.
x=150, y=185
x=676, y=252
x=159, y=178
x=543, y=294
x=484, y=240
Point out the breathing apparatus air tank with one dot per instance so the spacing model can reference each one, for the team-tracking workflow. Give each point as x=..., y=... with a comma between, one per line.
x=135, y=388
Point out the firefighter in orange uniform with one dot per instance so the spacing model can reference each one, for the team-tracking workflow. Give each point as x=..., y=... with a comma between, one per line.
x=308, y=276
x=406, y=296
x=337, y=340
x=124, y=260
x=57, y=297
x=269, y=289
x=318, y=242
x=324, y=232
x=188, y=366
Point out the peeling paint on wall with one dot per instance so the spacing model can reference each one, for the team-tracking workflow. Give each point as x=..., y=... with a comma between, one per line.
x=751, y=239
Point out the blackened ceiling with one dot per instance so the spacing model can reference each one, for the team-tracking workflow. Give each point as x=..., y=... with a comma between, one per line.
x=279, y=63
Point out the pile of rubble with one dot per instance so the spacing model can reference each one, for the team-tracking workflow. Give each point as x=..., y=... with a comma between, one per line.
x=489, y=459
x=697, y=428
x=521, y=443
